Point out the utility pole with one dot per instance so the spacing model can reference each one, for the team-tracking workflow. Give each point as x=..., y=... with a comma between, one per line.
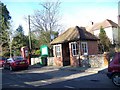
x=29, y=33
x=118, y=41
x=10, y=48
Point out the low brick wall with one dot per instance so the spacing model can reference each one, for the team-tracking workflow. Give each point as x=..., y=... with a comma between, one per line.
x=96, y=61
x=92, y=61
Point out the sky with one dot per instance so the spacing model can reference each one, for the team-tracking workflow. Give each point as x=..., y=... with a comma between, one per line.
x=73, y=12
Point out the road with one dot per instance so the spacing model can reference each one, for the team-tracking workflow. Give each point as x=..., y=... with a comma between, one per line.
x=54, y=78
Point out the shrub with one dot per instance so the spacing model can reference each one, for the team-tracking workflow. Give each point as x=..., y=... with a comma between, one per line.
x=37, y=52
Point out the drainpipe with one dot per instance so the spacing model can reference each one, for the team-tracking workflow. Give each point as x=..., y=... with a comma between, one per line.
x=79, y=53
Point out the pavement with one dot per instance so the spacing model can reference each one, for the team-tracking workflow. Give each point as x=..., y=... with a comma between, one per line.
x=70, y=68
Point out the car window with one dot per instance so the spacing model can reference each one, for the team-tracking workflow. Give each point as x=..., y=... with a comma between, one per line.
x=2, y=58
x=116, y=58
x=111, y=59
x=18, y=58
x=10, y=60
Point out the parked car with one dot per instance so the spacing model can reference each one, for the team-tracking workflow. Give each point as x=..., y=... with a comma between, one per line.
x=14, y=63
x=2, y=59
x=114, y=69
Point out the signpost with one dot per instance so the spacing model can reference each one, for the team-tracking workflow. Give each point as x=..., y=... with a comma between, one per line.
x=44, y=54
x=44, y=50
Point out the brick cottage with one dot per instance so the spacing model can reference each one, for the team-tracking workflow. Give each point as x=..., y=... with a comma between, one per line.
x=70, y=45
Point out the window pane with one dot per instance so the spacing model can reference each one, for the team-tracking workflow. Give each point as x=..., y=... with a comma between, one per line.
x=74, y=52
x=84, y=47
x=74, y=48
x=57, y=49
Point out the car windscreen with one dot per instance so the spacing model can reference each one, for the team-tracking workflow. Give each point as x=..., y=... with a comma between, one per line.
x=18, y=58
x=115, y=56
x=3, y=58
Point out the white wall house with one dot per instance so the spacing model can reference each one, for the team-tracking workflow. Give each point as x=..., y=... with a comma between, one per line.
x=111, y=29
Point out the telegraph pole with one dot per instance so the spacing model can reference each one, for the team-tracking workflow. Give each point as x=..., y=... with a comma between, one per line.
x=29, y=33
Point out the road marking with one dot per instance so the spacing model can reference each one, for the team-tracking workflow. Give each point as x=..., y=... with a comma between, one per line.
x=45, y=81
x=68, y=87
x=39, y=83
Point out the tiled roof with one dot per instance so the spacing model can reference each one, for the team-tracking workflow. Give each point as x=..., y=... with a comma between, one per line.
x=104, y=24
x=74, y=34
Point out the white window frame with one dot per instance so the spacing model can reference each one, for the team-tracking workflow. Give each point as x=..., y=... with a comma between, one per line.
x=84, y=47
x=74, y=49
x=58, y=51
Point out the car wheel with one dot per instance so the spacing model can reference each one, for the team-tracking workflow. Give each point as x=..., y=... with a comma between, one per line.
x=116, y=79
x=4, y=67
x=11, y=69
x=26, y=68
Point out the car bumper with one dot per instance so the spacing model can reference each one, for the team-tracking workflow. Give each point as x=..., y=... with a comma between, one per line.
x=21, y=66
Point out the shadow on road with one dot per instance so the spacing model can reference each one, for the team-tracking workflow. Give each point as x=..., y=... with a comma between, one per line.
x=35, y=78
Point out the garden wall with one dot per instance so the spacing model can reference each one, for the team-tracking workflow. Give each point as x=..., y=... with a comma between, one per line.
x=90, y=61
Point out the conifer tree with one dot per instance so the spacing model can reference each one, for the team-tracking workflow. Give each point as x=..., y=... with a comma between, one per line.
x=104, y=40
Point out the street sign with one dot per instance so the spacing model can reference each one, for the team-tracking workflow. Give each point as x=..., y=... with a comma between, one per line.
x=44, y=50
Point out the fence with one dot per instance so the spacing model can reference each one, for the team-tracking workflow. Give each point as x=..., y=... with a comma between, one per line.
x=38, y=60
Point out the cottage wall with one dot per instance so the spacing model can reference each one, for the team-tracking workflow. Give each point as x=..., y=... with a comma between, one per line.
x=58, y=61
x=92, y=50
x=67, y=57
x=74, y=60
x=66, y=54
x=92, y=47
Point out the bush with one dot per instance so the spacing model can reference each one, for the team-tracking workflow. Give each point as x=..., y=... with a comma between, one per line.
x=37, y=52
x=117, y=49
x=7, y=54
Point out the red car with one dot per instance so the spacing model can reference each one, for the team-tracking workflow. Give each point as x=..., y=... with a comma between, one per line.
x=114, y=69
x=17, y=62
x=2, y=59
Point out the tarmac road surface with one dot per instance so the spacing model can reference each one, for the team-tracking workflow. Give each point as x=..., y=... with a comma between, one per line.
x=54, y=78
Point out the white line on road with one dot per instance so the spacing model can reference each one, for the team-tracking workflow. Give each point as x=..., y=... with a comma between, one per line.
x=39, y=83
x=68, y=87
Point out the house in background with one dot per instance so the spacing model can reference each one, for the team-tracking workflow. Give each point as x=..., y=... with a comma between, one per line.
x=110, y=27
x=74, y=42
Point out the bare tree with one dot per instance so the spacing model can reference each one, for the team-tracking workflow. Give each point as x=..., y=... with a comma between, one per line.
x=47, y=18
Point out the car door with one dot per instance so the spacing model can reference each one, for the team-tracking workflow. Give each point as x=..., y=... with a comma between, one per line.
x=116, y=61
x=119, y=62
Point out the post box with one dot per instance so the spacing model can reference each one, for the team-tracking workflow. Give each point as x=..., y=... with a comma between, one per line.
x=25, y=54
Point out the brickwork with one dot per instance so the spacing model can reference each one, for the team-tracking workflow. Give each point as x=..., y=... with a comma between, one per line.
x=92, y=50
x=58, y=61
x=67, y=56
x=92, y=47
x=74, y=61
